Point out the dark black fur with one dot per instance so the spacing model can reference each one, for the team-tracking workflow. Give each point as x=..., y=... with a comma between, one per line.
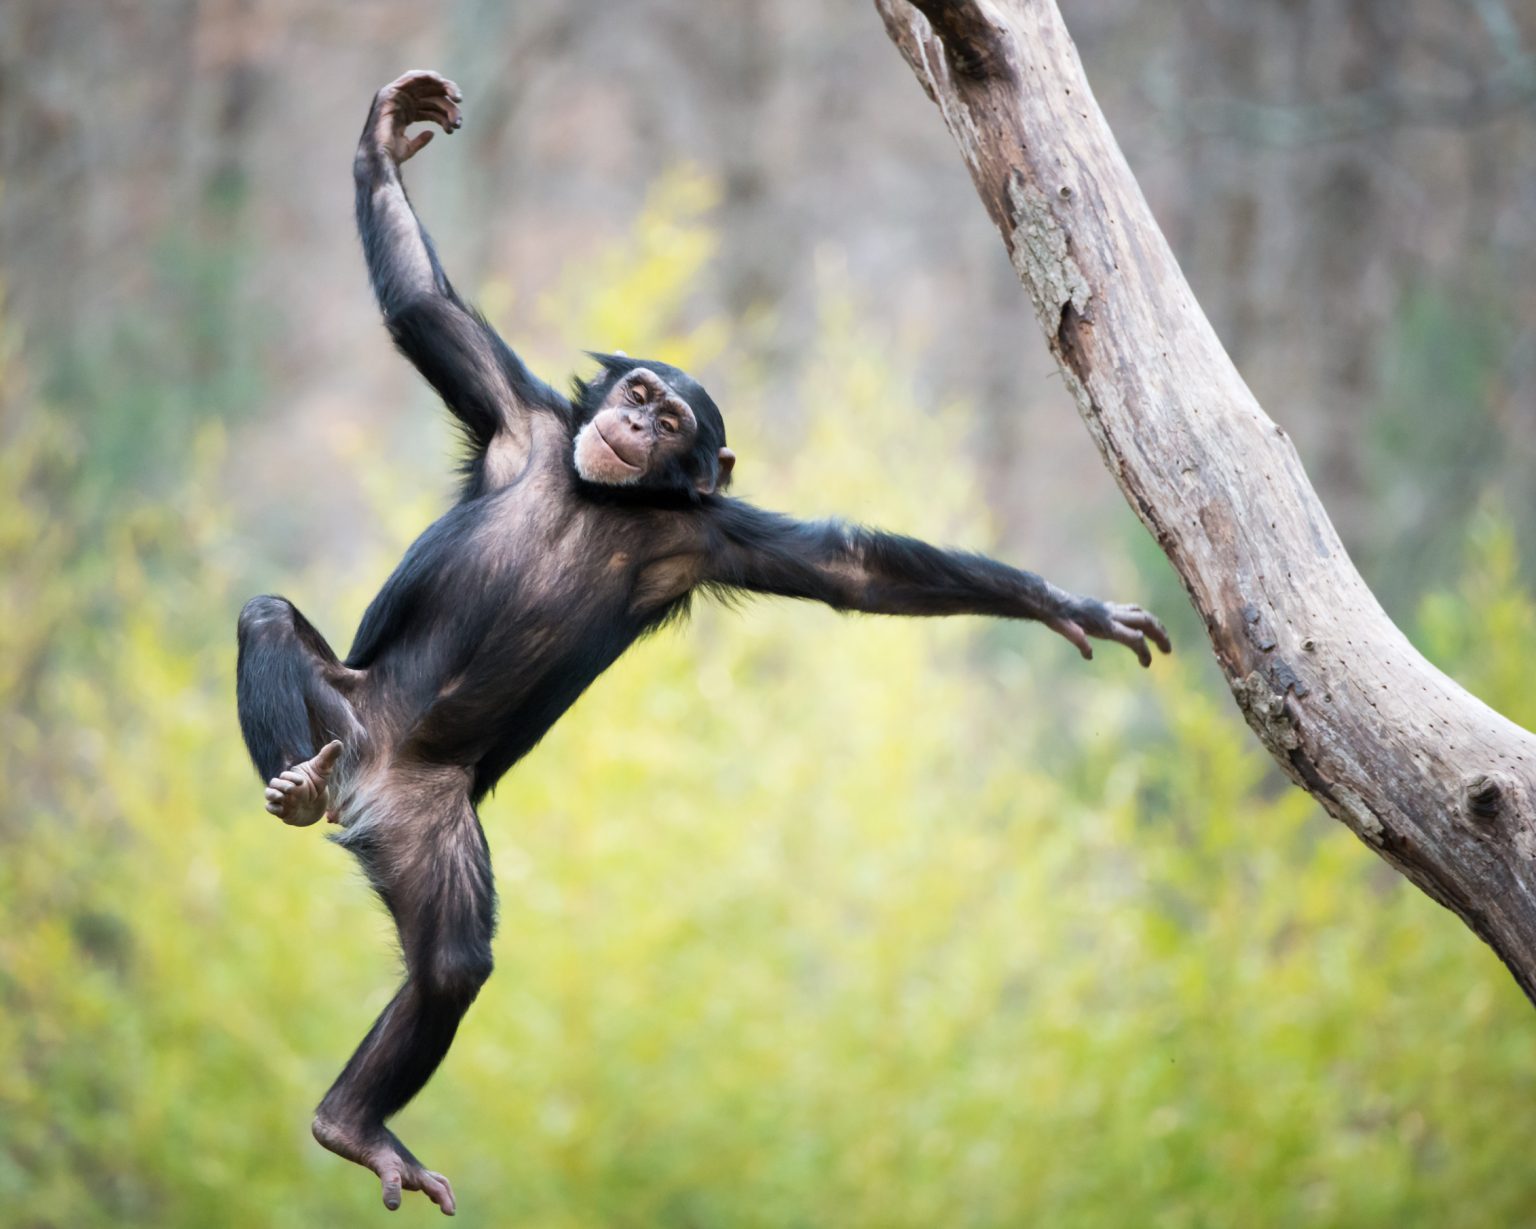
x=504, y=611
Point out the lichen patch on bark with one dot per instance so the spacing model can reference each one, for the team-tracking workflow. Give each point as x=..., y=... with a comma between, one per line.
x=1042, y=256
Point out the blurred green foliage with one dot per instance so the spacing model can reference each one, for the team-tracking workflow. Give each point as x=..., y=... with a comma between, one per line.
x=806, y=920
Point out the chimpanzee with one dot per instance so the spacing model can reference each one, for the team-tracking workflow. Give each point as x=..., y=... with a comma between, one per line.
x=583, y=523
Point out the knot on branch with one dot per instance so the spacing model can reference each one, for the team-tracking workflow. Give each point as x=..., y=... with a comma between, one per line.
x=976, y=45
x=1498, y=804
x=1484, y=798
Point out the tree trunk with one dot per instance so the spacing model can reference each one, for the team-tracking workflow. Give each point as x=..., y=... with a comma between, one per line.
x=1427, y=775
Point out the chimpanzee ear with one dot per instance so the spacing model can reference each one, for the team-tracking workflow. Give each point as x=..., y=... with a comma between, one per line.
x=724, y=460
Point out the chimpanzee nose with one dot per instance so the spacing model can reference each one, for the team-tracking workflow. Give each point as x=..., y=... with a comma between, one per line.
x=634, y=422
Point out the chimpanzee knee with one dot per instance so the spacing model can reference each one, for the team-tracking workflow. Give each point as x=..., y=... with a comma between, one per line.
x=456, y=972
x=286, y=707
x=266, y=611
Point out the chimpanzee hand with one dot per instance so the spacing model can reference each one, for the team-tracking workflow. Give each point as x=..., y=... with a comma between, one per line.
x=418, y=96
x=1127, y=625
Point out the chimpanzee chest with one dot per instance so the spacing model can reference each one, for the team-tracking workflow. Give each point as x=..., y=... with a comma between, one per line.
x=520, y=605
x=543, y=607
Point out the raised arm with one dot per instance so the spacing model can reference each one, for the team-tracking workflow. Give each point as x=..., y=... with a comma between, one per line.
x=479, y=377
x=852, y=568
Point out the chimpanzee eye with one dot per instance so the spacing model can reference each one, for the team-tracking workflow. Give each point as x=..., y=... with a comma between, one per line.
x=637, y=394
x=669, y=425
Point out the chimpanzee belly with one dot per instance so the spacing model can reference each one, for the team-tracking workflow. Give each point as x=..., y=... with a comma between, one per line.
x=511, y=692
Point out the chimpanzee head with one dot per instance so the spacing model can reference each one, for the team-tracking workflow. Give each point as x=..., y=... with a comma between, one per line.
x=647, y=425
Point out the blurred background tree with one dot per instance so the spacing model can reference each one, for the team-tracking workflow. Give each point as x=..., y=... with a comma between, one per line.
x=847, y=928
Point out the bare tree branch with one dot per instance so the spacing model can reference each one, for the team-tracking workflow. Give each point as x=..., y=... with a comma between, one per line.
x=1433, y=780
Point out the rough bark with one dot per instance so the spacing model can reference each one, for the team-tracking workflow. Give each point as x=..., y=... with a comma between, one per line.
x=1433, y=780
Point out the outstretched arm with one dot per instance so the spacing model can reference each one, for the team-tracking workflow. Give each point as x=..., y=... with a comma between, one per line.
x=852, y=568
x=479, y=377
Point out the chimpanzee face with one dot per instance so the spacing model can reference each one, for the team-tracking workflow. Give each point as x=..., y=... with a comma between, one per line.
x=645, y=434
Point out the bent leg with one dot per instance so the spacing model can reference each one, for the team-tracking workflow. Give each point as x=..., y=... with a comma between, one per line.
x=291, y=710
x=427, y=858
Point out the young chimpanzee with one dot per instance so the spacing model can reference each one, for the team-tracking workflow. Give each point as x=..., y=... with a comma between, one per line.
x=583, y=523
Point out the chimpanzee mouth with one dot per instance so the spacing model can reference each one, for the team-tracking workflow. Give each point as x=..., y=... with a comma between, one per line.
x=598, y=461
x=612, y=451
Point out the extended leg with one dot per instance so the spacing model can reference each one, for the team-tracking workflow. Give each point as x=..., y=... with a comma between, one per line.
x=429, y=863
x=291, y=711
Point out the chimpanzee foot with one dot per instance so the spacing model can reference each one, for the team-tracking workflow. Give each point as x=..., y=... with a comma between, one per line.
x=378, y=1149
x=298, y=795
